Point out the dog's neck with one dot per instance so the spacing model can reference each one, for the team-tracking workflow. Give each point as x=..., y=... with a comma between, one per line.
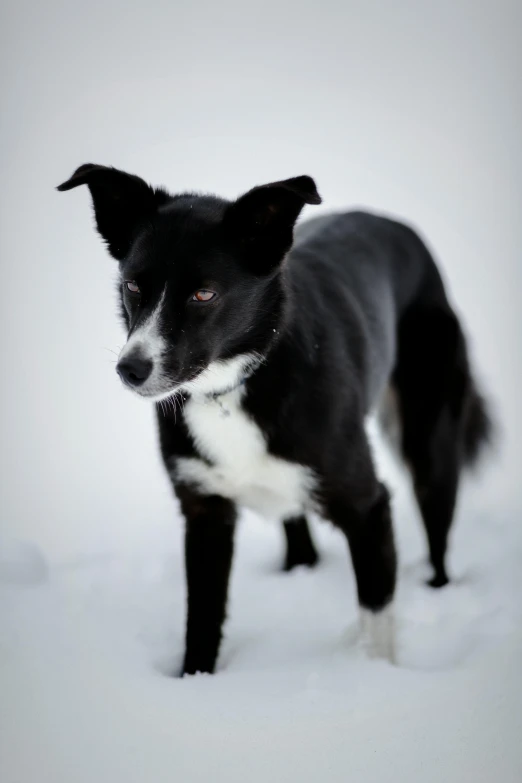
x=222, y=377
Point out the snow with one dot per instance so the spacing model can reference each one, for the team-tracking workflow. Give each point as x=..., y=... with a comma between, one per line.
x=87, y=657
x=412, y=109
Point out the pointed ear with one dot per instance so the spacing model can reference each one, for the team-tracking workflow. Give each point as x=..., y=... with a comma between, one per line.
x=121, y=203
x=263, y=219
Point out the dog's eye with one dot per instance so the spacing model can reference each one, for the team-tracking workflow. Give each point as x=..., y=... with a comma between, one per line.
x=132, y=286
x=204, y=296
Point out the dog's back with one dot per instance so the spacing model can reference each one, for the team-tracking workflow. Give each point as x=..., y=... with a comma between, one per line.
x=404, y=315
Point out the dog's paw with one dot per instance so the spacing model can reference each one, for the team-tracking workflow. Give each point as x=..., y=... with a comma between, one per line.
x=437, y=581
x=308, y=558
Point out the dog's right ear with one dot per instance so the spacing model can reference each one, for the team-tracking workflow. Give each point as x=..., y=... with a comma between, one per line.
x=122, y=202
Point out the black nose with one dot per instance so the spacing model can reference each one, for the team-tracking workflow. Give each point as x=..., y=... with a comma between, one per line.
x=134, y=370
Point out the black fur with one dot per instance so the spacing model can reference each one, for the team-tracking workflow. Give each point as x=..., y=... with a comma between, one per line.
x=209, y=546
x=300, y=548
x=336, y=311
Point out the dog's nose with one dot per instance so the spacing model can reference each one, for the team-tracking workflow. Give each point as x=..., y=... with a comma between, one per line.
x=134, y=370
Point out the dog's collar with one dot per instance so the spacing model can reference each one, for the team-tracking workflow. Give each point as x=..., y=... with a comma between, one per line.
x=248, y=370
x=217, y=394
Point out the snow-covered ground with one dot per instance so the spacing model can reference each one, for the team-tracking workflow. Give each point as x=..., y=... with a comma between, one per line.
x=406, y=107
x=88, y=644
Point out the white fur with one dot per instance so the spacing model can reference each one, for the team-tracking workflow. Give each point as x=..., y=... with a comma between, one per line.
x=147, y=340
x=221, y=375
x=378, y=633
x=390, y=419
x=241, y=467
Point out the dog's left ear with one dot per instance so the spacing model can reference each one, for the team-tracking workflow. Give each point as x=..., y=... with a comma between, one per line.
x=263, y=219
x=122, y=202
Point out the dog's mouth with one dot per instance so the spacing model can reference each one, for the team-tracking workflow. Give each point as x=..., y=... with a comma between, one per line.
x=215, y=378
x=162, y=389
x=148, y=378
x=159, y=396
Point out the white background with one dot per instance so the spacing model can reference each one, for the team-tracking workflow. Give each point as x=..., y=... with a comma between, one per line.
x=413, y=108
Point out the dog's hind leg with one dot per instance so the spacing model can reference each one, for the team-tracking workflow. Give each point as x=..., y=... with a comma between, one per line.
x=370, y=539
x=358, y=504
x=435, y=469
x=432, y=381
x=300, y=548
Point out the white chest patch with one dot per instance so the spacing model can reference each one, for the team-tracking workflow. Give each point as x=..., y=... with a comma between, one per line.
x=242, y=469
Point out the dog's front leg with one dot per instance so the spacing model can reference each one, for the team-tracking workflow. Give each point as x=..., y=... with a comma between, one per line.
x=209, y=546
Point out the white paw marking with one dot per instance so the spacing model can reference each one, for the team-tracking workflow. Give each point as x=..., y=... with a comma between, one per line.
x=378, y=633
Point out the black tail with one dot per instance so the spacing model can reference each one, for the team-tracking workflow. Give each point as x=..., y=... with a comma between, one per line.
x=477, y=427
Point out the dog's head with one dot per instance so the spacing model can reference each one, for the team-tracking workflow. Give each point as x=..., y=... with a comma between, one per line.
x=202, y=289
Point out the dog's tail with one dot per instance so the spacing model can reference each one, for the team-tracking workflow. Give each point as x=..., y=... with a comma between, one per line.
x=461, y=395
x=444, y=414
x=477, y=426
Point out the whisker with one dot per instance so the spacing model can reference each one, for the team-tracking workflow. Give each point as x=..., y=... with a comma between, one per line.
x=110, y=350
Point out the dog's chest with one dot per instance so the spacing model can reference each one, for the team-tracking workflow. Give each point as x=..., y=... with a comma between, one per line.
x=241, y=468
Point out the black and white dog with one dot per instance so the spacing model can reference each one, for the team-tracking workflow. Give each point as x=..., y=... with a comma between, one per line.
x=274, y=346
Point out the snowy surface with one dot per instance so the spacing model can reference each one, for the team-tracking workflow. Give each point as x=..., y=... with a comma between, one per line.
x=88, y=644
